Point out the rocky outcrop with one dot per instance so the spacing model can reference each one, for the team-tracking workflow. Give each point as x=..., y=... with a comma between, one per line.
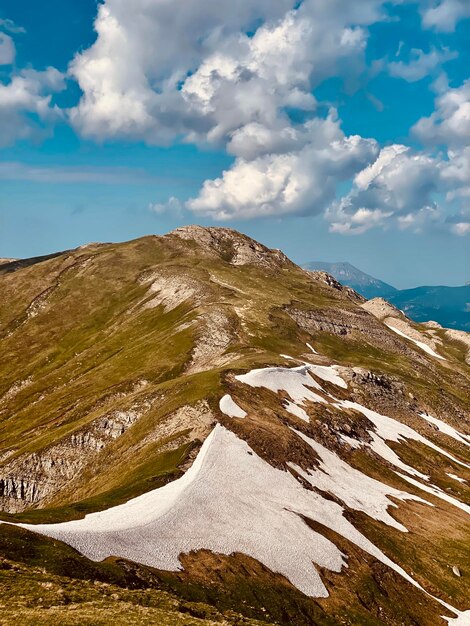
x=331, y=281
x=212, y=343
x=345, y=323
x=32, y=479
x=233, y=247
x=391, y=316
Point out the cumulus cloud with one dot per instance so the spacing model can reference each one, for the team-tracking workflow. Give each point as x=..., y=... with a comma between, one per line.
x=421, y=64
x=300, y=182
x=450, y=122
x=403, y=188
x=443, y=15
x=240, y=63
x=399, y=184
x=26, y=104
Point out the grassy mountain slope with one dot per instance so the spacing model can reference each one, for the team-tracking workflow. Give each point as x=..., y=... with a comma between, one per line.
x=115, y=357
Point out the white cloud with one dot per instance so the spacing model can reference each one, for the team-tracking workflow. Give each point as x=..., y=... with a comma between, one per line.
x=450, y=122
x=26, y=104
x=172, y=206
x=7, y=49
x=364, y=178
x=421, y=64
x=10, y=27
x=461, y=228
x=400, y=184
x=156, y=73
x=299, y=182
x=443, y=15
x=404, y=188
x=132, y=75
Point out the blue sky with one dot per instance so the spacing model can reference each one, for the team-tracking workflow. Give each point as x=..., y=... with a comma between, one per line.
x=333, y=130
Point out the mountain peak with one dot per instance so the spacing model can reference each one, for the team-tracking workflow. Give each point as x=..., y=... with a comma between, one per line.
x=348, y=274
x=233, y=246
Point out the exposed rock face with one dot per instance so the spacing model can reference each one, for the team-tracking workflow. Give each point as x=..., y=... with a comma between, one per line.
x=171, y=291
x=462, y=337
x=389, y=314
x=331, y=281
x=345, y=323
x=28, y=480
x=233, y=247
x=382, y=309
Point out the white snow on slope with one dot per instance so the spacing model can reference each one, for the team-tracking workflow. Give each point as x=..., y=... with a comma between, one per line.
x=229, y=501
x=328, y=374
x=228, y=406
x=446, y=429
x=296, y=410
x=357, y=490
x=435, y=491
x=455, y=477
x=389, y=429
x=311, y=348
x=295, y=381
x=420, y=344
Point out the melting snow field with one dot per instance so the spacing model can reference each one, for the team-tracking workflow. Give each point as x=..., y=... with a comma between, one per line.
x=357, y=490
x=389, y=429
x=420, y=344
x=296, y=381
x=446, y=429
x=231, y=408
x=229, y=501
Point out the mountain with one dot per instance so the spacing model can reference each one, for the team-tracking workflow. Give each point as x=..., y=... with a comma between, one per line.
x=449, y=306
x=347, y=274
x=194, y=430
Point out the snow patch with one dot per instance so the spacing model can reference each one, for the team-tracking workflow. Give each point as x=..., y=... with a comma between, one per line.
x=228, y=406
x=420, y=344
x=295, y=381
x=229, y=501
x=311, y=348
x=389, y=429
x=357, y=490
x=328, y=374
x=446, y=429
x=296, y=410
x=435, y=491
x=455, y=477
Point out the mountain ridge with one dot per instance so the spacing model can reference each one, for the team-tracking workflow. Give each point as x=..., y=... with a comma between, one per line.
x=449, y=306
x=345, y=423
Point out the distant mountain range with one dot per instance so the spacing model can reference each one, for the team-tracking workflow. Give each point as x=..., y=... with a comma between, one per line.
x=449, y=306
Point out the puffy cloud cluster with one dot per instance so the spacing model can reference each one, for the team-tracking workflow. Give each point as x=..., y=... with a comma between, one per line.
x=401, y=187
x=204, y=74
x=450, y=122
x=26, y=104
x=240, y=76
x=300, y=181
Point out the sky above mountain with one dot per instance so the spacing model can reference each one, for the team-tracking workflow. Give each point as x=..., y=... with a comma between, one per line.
x=332, y=129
